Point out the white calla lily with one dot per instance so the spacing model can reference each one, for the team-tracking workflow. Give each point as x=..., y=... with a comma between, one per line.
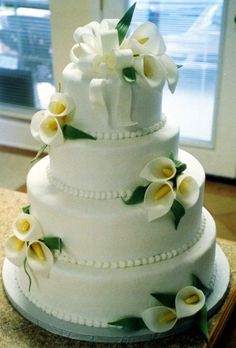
x=171, y=69
x=189, y=301
x=50, y=131
x=159, y=319
x=151, y=69
x=187, y=190
x=158, y=199
x=146, y=39
x=159, y=170
x=36, y=121
x=27, y=228
x=39, y=258
x=60, y=105
x=15, y=250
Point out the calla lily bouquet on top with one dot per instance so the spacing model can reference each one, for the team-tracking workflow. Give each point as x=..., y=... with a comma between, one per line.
x=188, y=302
x=28, y=246
x=104, y=48
x=168, y=189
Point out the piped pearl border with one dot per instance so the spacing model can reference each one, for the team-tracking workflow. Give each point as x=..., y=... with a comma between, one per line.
x=98, y=195
x=129, y=134
x=167, y=255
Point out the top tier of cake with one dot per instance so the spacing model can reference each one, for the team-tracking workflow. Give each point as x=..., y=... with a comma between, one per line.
x=116, y=82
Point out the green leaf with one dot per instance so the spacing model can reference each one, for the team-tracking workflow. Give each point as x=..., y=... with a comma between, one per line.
x=27, y=273
x=41, y=150
x=53, y=243
x=180, y=166
x=167, y=299
x=198, y=284
x=72, y=133
x=124, y=23
x=137, y=196
x=179, y=66
x=131, y=323
x=202, y=322
x=179, y=211
x=129, y=74
x=26, y=209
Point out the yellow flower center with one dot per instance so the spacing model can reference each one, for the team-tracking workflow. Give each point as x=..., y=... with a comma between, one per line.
x=147, y=69
x=193, y=299
x=143, y=40
x=57, y=108
x=51, y=124
x=164, y=190
x=19, y=244
x=167, y=317
x=167, y=172
x=183, y=187
x=23, y=225
x=37, y=249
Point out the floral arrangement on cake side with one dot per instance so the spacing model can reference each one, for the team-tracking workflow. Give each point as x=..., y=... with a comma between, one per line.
x=29, y=247
x=190, y=301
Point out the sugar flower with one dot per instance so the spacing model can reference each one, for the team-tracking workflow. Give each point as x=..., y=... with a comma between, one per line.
x=27, y=228
x=159, y=319
x=189, y=301
x=46, y=125
x=26, y=245
x=158, y=199
x=187, y=190
x=39, y=258
x=159, y=170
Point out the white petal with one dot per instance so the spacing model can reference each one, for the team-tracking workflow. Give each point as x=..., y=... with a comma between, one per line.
x=154, y=318
x=60, y=105
x=15, y=250
x=184, y=309
x=42, y=261
x=172, y=73
x=158, y=207
x=187, y=190
x=51, y=132
x=151, y=69
x=36, y=121
x=27, y=228
x=147, y=39
x=159, y=169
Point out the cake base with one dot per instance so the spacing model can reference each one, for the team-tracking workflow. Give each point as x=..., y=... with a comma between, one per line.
x=109, y=335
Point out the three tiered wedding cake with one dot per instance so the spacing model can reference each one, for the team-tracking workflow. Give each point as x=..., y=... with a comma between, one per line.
x=115, y=234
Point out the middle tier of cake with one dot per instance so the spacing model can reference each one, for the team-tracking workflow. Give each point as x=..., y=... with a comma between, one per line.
x=107, y=168
x=109, y=233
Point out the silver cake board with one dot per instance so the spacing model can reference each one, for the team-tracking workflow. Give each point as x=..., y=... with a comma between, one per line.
x=108, y=335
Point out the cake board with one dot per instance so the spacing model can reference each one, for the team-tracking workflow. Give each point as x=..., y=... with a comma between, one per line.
x=108, y=335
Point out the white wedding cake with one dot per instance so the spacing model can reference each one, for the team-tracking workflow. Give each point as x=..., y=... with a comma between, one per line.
x=115, y=222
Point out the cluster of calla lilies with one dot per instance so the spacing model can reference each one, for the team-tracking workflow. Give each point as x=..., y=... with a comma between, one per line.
x=188, y=302
x=167, y=183
x=47, y=125
x=27, y=245
x=102, y=49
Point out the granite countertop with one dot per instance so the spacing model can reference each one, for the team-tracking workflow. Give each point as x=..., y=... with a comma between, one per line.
x=17, y=332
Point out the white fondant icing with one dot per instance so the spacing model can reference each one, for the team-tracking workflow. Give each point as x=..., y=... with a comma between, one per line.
x=105, y=168
x=108, y=230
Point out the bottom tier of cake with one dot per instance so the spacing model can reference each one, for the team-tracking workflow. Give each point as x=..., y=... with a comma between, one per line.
x=95, y=296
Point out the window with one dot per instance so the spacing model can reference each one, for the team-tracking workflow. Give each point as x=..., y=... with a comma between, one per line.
x=25, y=53
x=191, y=30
